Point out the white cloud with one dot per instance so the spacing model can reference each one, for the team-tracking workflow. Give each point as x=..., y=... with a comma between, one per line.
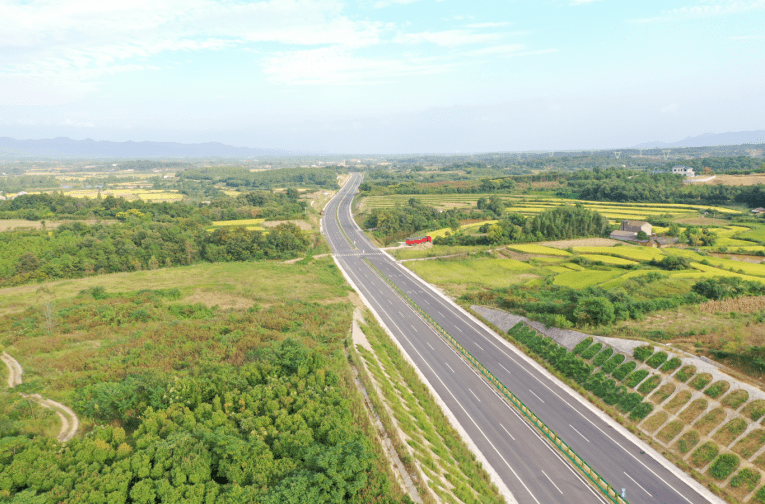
x=670, y=109
x=583, y=2
x=497, y=24
x=748, y=37
x=707, y=8
x=448, y=38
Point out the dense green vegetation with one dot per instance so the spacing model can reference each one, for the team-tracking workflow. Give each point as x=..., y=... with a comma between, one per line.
x=234, y=176
x=78, y=249
x=577, y=368
x=559, y=223
x=182, y=402
x=561, y=306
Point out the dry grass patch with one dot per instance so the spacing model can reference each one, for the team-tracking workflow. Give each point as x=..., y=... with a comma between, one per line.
x=687, y=441
x=735, y=399
x=678, y=401
x=654, y=421
x=744, y=483
x=749, y=444
x=663, y=393
x=740, y=305
x=696, y=408
x=670, y=430
x=710, y=421
x=730, y=431
x=754, y=409
x=704, y=455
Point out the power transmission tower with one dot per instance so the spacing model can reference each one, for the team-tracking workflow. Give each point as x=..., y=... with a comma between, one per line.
x=641, y=152
x=617, y=154
x=666, y=153
x=552, y=154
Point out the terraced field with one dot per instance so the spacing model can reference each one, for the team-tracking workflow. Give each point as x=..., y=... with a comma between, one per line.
x=530, y=204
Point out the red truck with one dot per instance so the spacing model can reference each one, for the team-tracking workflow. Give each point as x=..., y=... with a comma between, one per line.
x=418, y=239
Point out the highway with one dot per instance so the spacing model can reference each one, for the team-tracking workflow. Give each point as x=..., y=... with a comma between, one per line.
x=514, y=452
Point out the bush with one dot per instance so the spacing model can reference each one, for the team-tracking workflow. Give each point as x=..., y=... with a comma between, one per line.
x=595, y=310
x=582, y=345
x=641, y=411
x=724, y=466
x=704, y=454
x=636, y=377
x=615, y=395
x=603, y=356
x=717, y=389
x=641, y=353
x=657, y=359
x=612, y=363
x=685, y=373
x=701, y=381
x=746, y=478
x=630, y=401
x=688, y=441
x=671, y=365
x=651, y=383
x=623, y=370
x=592, y=351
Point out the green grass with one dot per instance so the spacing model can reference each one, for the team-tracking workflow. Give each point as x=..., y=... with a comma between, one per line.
x=754, y=410
x=735, y=399
x=750, y=444
x=704, y=454
x=693, y=410
x=654, y=421
x=700, y=381
x=626, y=252
x=436, y=251
x=618, y=261
x=717, y=389
x=730, y=431
x=669, y=431
x=687, y=441
x=586, y=278
x=685, y=373
x=663, y=393
x=710, y=421
x=485, y=272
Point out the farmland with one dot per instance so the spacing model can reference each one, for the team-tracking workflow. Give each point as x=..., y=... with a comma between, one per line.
x=533, y=204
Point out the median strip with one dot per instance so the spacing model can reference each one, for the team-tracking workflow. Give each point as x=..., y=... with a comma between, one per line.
x=601, y=484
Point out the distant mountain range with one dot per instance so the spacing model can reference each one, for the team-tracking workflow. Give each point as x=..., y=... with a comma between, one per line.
x=66, y=147
x=711, y=139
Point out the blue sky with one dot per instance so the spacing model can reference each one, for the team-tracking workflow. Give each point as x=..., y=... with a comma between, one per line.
x=383, y=76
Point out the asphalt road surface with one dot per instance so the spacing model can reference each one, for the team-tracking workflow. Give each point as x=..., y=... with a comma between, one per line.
x=528, y=466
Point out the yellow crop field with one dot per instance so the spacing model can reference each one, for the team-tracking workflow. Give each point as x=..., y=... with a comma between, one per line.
x=747, y=268
x=586, y=278
x=704, y=271
x=538, y=249
x=618, y=261
x=472, y=227
x=634, y=253
x=240, y=222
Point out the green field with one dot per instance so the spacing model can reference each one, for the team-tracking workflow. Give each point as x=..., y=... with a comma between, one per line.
x=586, y=278
x=484, y=272
x=538, y=249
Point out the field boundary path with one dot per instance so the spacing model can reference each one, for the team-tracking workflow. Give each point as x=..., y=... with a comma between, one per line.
x=69, y=421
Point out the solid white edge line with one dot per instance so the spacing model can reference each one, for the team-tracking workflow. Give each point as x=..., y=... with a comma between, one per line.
x=493, y=474
x=656, y=456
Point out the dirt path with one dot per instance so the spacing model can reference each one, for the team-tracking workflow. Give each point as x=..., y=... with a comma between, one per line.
x=69, y=421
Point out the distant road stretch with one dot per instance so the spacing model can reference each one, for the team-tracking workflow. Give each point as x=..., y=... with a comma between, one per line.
x=526, y=464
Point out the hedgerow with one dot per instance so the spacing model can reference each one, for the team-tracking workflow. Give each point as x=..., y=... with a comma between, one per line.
x=623, y=370
x=582, y=345
x=592, y=351
x=671, y=365
x=636, y=377
x=641, y=353
x=612, y=363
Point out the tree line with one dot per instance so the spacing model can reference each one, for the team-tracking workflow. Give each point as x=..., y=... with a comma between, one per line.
x=234, y=176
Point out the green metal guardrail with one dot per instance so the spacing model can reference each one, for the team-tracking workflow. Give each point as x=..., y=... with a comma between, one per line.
x=600, y=483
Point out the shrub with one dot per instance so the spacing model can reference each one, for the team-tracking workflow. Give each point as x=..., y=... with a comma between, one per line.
x=582, y=345
x=759, y=497
x=717, y=389
x=685, y=373
x=592, y=351
x=612, y=363
x=671, y=365
x=701, y=380
x=641, y=353
x=603, y=356
x=636, y=377
x=724, y=466
x=615, y=395
x=754, y=409
x=657, y=359
x=629, y=402
x=735, y=399
x=641, y=411
x=623, y=370
x=746, y=479
x=651, y=383
x=704, y=454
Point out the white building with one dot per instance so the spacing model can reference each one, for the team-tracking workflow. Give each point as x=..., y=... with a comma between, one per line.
x=683, y=170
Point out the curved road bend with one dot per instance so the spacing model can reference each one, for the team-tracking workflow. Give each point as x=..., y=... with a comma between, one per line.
x=525, y=463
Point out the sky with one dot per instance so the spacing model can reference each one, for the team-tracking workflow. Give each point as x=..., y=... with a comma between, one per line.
x=383, y=76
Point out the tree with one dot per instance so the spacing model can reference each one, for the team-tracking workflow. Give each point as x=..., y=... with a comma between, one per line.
x=641, y=235
x=595, y=310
